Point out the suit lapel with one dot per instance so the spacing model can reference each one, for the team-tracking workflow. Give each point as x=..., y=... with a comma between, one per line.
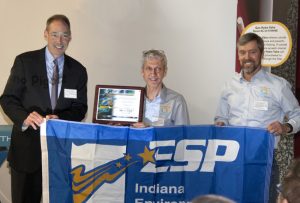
x=42, y=72
x=65, y=79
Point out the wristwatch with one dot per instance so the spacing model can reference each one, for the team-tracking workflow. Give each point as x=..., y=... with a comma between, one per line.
x=288, y=128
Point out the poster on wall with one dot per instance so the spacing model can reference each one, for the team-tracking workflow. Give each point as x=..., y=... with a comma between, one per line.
x=277, y=40
x=257, y=16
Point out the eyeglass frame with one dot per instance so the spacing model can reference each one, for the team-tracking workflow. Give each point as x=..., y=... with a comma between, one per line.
x=156, y=69
x=64, y=35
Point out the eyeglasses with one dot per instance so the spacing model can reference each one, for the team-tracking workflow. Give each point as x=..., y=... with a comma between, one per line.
x=156, y=69
x=56, y=35
x=250, y=52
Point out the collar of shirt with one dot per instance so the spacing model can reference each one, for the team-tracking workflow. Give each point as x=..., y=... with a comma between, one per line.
x=50, y=64
x=163, y=93
x=160, y=97
x=260, y=74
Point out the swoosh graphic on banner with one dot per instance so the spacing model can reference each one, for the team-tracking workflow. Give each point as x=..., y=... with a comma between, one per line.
x=80, y=178
x=87, y=188
x=84, y=184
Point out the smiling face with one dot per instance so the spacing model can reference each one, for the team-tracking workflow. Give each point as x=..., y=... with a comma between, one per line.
x=250, y=57
x=58, y=36
x=153, y=72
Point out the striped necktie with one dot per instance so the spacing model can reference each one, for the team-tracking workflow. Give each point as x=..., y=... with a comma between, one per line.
x=54, y=82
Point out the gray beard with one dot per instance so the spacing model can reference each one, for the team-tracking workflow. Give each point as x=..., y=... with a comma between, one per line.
x=250, y=70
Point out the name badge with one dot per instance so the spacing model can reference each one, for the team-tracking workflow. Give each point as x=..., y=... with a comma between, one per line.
x=260, y=105
x=159, y=122
x=165, y=108
x=70, y=93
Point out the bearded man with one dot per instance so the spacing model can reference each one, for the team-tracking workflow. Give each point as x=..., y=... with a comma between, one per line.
x=257, y=98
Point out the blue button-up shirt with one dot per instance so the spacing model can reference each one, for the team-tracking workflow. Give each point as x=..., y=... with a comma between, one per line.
x=50, y=65
x=167, y=109
x=259, y=102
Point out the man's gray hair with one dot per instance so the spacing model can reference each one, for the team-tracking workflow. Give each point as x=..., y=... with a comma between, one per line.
x=155, y=54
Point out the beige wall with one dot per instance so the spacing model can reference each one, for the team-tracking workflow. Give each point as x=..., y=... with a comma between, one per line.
x=109, y=35
x=5, y=183
x=198, y=37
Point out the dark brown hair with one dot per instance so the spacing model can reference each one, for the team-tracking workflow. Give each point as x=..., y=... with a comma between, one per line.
x=59, y=17
x=248, y=37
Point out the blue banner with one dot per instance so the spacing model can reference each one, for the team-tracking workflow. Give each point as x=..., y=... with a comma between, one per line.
x=100, y=163
x=5, y=134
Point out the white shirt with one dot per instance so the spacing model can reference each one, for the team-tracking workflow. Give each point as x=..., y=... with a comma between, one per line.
x=258, y=103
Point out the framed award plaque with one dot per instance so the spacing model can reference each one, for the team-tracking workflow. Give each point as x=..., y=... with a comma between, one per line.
x=118, y=104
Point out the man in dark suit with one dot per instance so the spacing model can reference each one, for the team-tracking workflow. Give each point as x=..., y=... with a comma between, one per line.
x=45, y=83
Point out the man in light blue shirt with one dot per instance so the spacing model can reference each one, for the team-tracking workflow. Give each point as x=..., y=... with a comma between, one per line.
x=257, y=98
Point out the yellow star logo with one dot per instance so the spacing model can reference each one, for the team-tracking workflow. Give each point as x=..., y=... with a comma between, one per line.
x=147, y=156
x=127, y=157
x=118, y=165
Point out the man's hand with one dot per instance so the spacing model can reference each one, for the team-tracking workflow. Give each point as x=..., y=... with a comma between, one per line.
x=34, y=120
x=278, y=128
x=219, y=123
x=139, y=125
x=51, y=116
x=115, y=124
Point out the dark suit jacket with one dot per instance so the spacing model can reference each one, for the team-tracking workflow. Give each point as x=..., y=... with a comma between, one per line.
x=27, y=91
